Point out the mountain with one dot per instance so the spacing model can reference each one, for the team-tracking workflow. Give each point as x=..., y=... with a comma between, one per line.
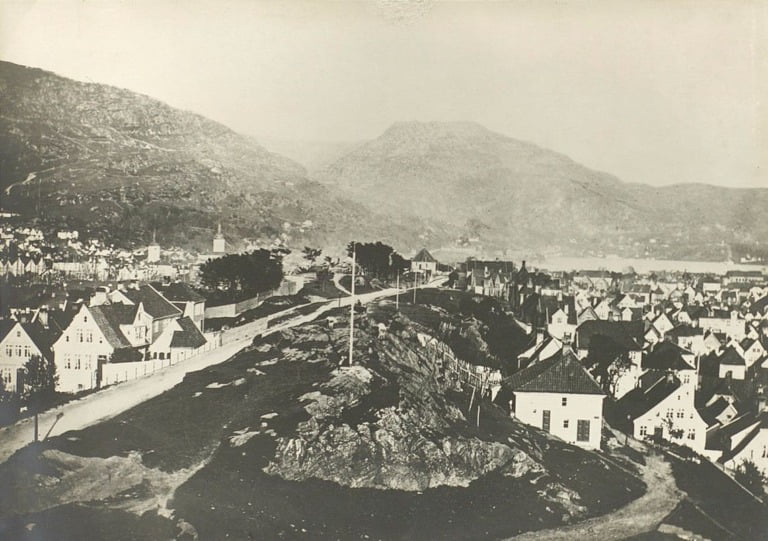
x=513, y=194
x=313, y=155
x=121, y=165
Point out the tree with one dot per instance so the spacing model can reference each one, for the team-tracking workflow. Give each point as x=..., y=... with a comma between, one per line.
x=377, y=259
x=607, y=361
x=244, y=274
x=9, y=406
x=749, y=475
x=40, y=379
x=39, y=391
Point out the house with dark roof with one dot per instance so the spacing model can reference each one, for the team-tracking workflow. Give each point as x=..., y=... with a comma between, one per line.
x=662, y=407
x=559, y=396
x=152, y=302
x=18, y=342
x=98, y=335
x=186, y=299
x=732, y=365
x=752, y=350
x=626, y=334
x=668, y=357
x=423, y=262
x=748, y=444
x=180, y=340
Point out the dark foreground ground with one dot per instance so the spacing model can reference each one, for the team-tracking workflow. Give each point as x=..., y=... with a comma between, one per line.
x=226, y=495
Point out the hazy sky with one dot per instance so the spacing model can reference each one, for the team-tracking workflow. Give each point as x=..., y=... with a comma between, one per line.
x=655, y=92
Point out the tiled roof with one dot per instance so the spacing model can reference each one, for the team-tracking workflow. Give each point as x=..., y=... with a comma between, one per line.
x=189, y=336
x=154, y=303
x=562, y=373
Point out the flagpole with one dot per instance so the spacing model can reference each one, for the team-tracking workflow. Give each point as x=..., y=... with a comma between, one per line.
x=352, y=308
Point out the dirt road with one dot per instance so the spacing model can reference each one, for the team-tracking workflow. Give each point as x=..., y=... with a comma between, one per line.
x=642, y=515
x=111, y=401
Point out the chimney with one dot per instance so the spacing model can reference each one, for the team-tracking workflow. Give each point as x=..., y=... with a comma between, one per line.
x=539, y=336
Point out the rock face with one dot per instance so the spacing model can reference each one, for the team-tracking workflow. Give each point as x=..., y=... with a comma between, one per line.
x=386, y=423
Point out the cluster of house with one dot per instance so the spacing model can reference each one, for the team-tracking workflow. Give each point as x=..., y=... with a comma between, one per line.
x=26, y=251
x=682, y=358
x=90, y=341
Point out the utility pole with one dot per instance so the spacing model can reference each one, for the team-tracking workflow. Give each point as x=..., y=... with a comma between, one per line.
x=352, y=308
x=397, y=295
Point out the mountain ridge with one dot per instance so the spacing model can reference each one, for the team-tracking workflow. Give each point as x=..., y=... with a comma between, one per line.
x=122, y=164
x=518, y=195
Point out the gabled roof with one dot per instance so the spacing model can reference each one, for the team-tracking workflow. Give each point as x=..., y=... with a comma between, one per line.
x=41, y=337
x=711, y=412
x=109, y=317
x=641, y=400
x=424, y=257
x=559, y=374
x=667, y=356
x=731, y=357
x=189, y=336
x=741, y=423
x=154, y=303
x=685, y=330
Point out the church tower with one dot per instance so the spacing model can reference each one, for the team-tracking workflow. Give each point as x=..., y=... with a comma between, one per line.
x=219, y=244
x=153, y=250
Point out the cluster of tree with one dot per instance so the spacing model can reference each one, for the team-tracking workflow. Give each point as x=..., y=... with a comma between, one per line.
x=244, y=274
x=749, y=475
x=378, y=260
x=607, y=361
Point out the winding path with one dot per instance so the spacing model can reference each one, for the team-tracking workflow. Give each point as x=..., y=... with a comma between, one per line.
x=639, y=516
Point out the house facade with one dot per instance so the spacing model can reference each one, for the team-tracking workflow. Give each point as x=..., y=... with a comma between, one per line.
x=558, y=396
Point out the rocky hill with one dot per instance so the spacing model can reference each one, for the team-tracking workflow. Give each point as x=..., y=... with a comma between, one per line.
x=282, y=441
x=123, y=164
x=513, y=194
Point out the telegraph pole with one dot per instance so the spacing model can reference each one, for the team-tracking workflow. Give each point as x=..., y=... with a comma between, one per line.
x=352, y=308
x=397, y=295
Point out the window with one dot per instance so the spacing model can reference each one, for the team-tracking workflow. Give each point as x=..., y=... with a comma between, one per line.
x=77, y=363
x=565, y=401
x=565, y=423
x=18, y=351
x=89, y=336
x=680, y=414
x=67, y=362
x=545, y=418
x=27, y=351
x=85, y=319
x=79, y=335
x=9, y=351
x=643, y=430
x=691, y=435
x=162, y=355
x=582, y=430
x=6, y=374
x=670, y=413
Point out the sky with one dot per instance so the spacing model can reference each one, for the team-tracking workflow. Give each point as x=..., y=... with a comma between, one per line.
x=650, y=91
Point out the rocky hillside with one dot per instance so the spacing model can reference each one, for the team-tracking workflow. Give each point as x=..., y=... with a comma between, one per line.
x=283, y=442
x=513, y=194
x=123, y=164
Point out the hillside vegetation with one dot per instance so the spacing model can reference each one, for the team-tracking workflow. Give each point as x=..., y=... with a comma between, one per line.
x=513, y=194
x=122, y=164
